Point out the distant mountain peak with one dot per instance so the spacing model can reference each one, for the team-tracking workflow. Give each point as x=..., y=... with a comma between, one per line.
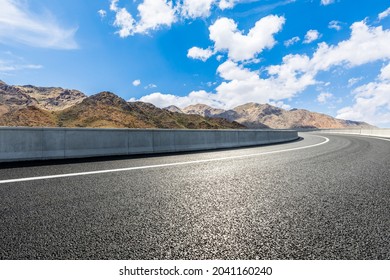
x=203, y=110
x=47, y=98
x=173, y=109
x=255, y=115
x=107, y=98
x=105, y=95
x=66, y=107
x=199, y=105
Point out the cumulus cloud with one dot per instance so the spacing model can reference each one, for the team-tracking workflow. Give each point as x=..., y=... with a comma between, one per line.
x=226, y=37
x=196, y=8
x=311, y=36
x=219, y=57
x=194, y=97
x=280, y=104
x=384, y=14
x=241, y=85
x=152, y=14
x=102, y=13
x=327, y=2
x=156, y=14
x=296, y=73
x=198, y=53
x=324, y=97
x=19, y=25
x=136, y=83
x=292, y=41
x=284, y=81
x=334, y=24
x=230, y=70
x=125, y=22
x=372, y=101
x=385, y=73
x=227, y=4
x=366, y=44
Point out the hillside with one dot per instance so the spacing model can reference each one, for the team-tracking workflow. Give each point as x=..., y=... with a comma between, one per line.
x=46, y=98
x=55, y=107
x=254, y=115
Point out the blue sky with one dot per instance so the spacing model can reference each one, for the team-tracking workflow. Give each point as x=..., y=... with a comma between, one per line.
x=329, y=56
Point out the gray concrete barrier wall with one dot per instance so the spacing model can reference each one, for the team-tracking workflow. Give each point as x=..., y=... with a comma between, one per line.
x=378, y=132
x=17, y=144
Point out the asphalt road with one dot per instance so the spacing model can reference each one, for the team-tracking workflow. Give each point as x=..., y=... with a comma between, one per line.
x=309, y=199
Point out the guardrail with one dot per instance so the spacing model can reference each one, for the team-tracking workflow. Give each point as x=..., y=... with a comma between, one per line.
x=378, y=132
x=18, y=144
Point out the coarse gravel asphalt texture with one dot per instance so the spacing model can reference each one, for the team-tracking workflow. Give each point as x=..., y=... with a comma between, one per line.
x=330, y=201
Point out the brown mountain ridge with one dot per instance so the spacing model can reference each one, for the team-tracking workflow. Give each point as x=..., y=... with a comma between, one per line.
x=254, y=115
x=55, y=107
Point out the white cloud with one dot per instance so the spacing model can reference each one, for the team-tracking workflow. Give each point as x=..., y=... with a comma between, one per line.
x=240, y=47
x=198, y=53
x=296, y=73
x=311, y=36
x=114, y=5
x=334, y=24
x=196, y=8
x=327, y=2
x=385, y=73
x=125, y=22
x=366, y=44
x=227, y=4
x=384, y=14
x=11, y=66
x=243, y=85
x=202, y=8
x=136, y=83
x=123, y=19
x=280, y=104
x=230, y=70
x=372, y=102
x=149, y=86
x=354, y=81
x=324, y=97
x=165, y=100
x=292, y=41
x=152, y=14
x=210, y=84
x=19, y=25
x=156, y=14
x=102, y=13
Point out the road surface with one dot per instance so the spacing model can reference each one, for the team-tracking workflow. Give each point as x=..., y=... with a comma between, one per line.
x=324, y=197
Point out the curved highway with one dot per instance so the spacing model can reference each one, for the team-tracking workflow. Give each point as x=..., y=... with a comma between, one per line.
x=323, y=197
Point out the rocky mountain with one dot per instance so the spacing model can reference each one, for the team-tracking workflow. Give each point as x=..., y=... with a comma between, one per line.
x=254, y=115
x=203, y=110
x=173, y=109
x=12, y=97
x=54, y=106
x=108, y=110
x=46, y=98
x=35, y=106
